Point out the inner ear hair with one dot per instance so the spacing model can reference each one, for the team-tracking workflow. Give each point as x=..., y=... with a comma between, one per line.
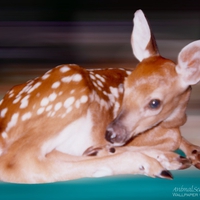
x=178, y=116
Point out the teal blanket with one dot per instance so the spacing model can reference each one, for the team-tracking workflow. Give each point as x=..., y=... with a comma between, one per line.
x=186, y=185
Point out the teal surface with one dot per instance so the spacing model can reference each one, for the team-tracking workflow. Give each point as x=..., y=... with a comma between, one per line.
x=186, y=185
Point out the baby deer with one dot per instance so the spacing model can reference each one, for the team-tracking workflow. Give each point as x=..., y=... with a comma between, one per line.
x=72, y=122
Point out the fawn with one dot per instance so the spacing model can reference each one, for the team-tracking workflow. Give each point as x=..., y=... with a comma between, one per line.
x=72, y=122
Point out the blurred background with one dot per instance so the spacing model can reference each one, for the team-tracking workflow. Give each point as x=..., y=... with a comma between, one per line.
x=37, y=35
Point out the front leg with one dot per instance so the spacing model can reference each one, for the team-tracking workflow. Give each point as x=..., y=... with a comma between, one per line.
x=160, y=138
x=192, y=152
x=167, y=159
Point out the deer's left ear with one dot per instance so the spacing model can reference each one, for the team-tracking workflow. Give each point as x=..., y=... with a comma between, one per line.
x=188, y=66
x=142, y=40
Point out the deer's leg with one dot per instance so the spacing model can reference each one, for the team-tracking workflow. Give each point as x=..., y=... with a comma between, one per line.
x=31, y=167
x=121, y=162
x=158, y=138
x=192, y=152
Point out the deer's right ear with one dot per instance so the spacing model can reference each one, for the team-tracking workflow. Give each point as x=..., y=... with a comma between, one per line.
x=142, y=40
x=188, y=66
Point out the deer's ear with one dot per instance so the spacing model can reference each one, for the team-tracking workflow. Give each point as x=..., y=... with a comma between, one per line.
x=188, y=66
x=142, y=40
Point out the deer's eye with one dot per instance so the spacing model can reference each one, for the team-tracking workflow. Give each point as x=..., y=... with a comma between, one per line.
x=154, y=104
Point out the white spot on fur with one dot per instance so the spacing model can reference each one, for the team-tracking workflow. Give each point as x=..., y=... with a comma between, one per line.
x=52, y=114
x=45, y=76
x=17, y=100
x=128, y=72
x=105, y=93
x=100, y=83
x=69, y=102
x=40, y=110
x=29, y=82
x=63, y=115
x=69, y=109
x=24, y=102
x=72, y=91
x=60, y=93
x=11, y=95
x=4, y=135
x=114, y=91
x=48, y=108
x=44, y=102
x=1, y=101
x=34, y=87
x=77, y=77
x=64, y=69
x=57, y=106
x=94, y=83
x=92, y=77
x=104, y=104
x=12, y=122
x=52, y=96
x=55, y=85
x=11, y=91
x=3, y=112
x=100, y=77
x=77, y=103
x=48, y=72
x=84, y=99
x=26, y=116
x=67, y=79
x=121, y=88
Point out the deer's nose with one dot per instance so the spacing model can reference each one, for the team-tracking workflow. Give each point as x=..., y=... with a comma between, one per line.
x=110, y=135
x=116, y=134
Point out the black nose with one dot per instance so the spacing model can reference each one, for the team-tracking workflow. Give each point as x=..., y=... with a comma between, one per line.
x=110, y=135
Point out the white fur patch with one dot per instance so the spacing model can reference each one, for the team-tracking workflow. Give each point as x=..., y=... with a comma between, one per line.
x=3, y=112
x=26, y=116
x=44, y=102
x=70, y=139
x=114, y=91
x=4, y=135
x=100, y=77
x=92, y=77
x=55, y=85
x=77, y=103
x=24, y=102
x=49, y=107
x=40, y=110
x=66, y=79
x=64, y=69
x=99, y=83
x=77, y=77
x=34, y=87
x=45, y=76
x=69, y=102
x=12, y=122
x=57, y=106
x=84, y=99
x=52, y=96
x=17, y=99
